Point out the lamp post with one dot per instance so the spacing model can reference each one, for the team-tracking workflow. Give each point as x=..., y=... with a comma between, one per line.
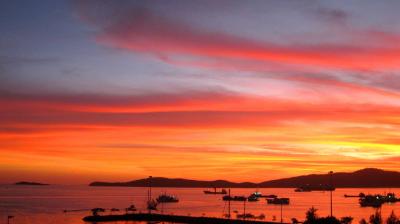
x=331, y=189
x=244, y=210
x=229, y=205
x=149, y=195
x=8, y=218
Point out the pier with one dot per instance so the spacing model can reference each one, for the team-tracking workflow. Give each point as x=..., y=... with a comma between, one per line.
x=170, y=218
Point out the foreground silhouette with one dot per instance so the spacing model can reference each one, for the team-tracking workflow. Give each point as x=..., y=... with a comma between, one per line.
x=312, y=218
x=377, y=219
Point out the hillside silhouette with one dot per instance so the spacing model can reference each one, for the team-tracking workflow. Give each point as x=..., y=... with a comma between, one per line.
x=368, y=178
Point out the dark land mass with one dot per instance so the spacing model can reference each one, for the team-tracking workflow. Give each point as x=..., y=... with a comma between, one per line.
x=30, y=183
x=169, y=218
x=367, y=178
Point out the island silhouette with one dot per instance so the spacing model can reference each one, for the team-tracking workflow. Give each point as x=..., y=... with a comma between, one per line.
x=30, y=183
x=364, y=178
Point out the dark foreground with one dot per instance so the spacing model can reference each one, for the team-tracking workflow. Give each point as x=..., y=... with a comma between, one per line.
x=170, y=218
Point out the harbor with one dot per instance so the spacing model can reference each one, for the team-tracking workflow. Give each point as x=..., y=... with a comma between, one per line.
x=47, y=205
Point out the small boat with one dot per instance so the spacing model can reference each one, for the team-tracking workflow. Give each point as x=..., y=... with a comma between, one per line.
x=360, y=195
x=234, y=198
x=374, y=201
x=253, y=198
x=164, y=198
x=278, y=201
x=152, y=204
x=308, y=188
x=245, y=216
x=270, y=196
x=391, y=198
x=257, y=194
x=96, y=211
x=131, y=208
x=302, y=189
x=223, y=191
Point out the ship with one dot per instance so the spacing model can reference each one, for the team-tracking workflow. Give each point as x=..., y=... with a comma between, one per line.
x=371, y=201
x=278, y=201
x=360, y=195
x=164, y=198
x=377, y=200
x=308, y=188
x=223, y=191
x=234, y=198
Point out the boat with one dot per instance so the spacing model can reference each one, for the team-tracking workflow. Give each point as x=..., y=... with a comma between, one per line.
x=152, y=204
x=164, y=198
x=234, y=198
x=256, y=194
x=223, y=191
x=360, y=195
x=278, y=201
x=131, y=208
x=302, y=189
x=371, y=201
x=270, y=196
x=253, y=198
x=308, y=188
x=391, y=198
x=377, y=200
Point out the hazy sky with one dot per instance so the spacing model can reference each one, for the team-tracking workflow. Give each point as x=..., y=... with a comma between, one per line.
x=237, y=90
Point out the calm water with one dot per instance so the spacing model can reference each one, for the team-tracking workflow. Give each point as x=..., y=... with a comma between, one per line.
x=44, y=204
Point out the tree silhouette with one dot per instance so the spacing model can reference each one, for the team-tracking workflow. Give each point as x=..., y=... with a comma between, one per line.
x=392, y=219
x=375, y=218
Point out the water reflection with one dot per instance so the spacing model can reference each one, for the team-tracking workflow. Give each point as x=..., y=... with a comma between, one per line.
x=45, y=204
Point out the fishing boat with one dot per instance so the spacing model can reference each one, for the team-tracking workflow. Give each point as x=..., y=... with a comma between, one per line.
x=234, y=198
x=278, y=201
x=164, y=198
x=223, y=191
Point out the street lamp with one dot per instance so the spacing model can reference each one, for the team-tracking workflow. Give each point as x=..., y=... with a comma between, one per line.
x=8, y=218
x=330, y=188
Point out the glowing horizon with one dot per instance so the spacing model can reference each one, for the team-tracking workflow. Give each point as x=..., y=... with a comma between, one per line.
x=96, y=90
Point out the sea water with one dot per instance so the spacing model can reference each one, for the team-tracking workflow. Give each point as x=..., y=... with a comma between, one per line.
x=45, y=204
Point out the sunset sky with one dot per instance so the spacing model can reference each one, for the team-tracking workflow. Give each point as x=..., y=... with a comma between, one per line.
x=236, y=90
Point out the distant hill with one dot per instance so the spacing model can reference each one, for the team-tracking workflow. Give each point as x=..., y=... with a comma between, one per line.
x=369, y=177
x=30, y=183
x=177, y=182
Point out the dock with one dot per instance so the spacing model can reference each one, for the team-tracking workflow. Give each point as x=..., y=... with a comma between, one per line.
x=170, y=218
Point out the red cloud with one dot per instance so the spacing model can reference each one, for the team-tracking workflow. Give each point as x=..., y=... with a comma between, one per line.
x=141, y=30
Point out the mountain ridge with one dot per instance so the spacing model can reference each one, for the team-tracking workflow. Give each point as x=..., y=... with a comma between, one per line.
x=368, y=178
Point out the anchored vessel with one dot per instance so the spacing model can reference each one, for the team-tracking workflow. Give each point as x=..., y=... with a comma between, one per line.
x=308, y=188
x=377, y=200
x=164, y=198
x=223, y=191
x=278, y=201
x=234, y=198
